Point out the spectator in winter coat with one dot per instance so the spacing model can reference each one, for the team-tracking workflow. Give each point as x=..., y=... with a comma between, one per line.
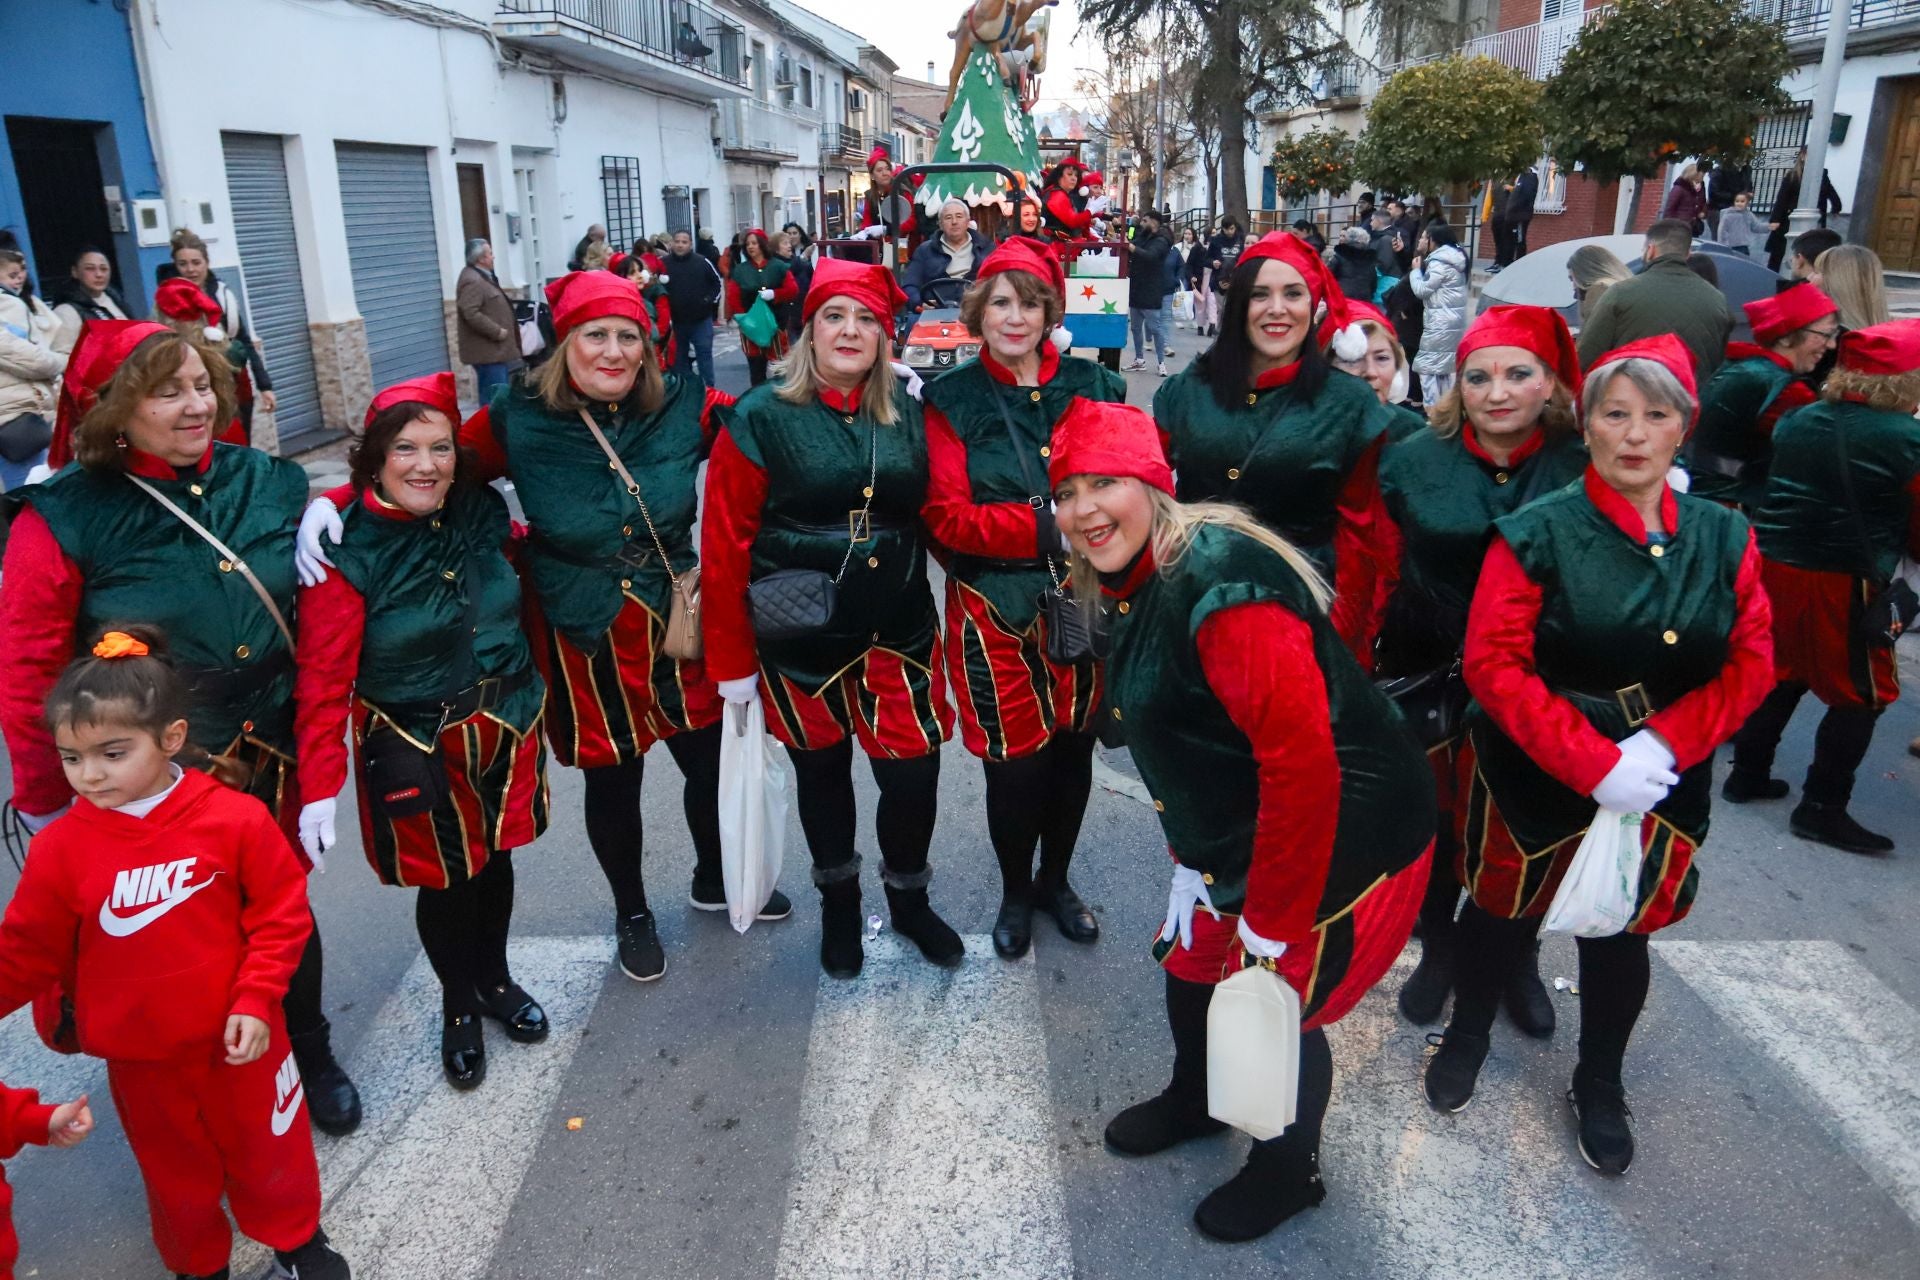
x=191, y=263
x=1438, y=278
x=1787, y=201
x=1406, y=226
x=1526, y=189
x=596, y=234
x=1356, y=267
x=1724, y=184
x=1739, y=227
x=90, y=297
x=30, y=367
x=1687, y=201
x=955, y=254
x=1147, y=286
x=1666, y=297
x=693, y=287
x=489, y=336
x=1386, y=245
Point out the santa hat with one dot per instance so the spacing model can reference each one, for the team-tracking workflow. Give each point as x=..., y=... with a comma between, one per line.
x=1665, y=350
x=1773, y=318
x=1351, y=343
x=1098, y=438
x=876, y=155
x=1094, y=178
x=1330, y=310
x=592, y=295
x=1885, y=350
x=436, y=391
x=103, y=346
x=1541, y=330
x=180, y=299
x=869, y=284
x=617, y=261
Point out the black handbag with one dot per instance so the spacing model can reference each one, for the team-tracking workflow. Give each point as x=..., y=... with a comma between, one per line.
x=1434, y=703
x=1890, y=613
x=24, y=438
x=1076, y=628
x=402, y=780
x=789, y=603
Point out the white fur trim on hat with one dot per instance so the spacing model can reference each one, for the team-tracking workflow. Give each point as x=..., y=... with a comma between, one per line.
x=214, y=333
x=1062, y=338
x=1678, y=480
x=1397, y=390
x=1349, y=343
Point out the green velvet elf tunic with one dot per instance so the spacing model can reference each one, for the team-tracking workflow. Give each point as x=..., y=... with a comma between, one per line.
x=1731, y=449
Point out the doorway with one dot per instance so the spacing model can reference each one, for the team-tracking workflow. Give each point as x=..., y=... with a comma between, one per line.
x=474, y=223
x=63, y=195
x=1896, y=232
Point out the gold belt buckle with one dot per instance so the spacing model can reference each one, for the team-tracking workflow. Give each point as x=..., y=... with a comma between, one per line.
x=1635, y=703
x=859, y=525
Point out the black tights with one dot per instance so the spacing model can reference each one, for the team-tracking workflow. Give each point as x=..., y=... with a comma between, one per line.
x=1039, y=799
x=613, y=815
x=1839, y=744
x=756, y=370
x=1187, y=1018
x=903, y=822
x=463, y=930
x=302, y=1005
x=1442, y=900
x=1614, y=975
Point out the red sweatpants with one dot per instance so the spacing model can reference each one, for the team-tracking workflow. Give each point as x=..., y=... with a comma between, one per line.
x=202, y=1129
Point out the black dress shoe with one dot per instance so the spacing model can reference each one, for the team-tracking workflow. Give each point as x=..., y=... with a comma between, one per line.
x=1832, y=825
x=1075, y=918
x=1743, y=788
x=509, y=1005
x=463, y=1051
x=1013, y=927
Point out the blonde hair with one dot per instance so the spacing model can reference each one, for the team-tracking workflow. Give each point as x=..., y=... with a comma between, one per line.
x=1888, y=392
x=1852, y=276
x=1656, y=382
x=1556, y=417
x=597, y=256
x=559, y=394
x=1174, y=525
x=797, y=380
x=184, y=238
x=96, y=439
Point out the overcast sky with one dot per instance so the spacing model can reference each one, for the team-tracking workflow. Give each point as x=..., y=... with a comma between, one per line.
x=914, y=32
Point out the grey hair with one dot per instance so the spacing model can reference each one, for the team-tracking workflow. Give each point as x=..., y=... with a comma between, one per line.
x=1356, y=236
x=475, y=248
x=950, y=201
x=1656, y=382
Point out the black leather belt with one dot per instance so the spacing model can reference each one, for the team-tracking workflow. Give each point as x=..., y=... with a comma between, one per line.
x=225, y=686
x=967, y=566
x=630, y=556
x=873, y=523
x=1634, y=701
x=469, y=702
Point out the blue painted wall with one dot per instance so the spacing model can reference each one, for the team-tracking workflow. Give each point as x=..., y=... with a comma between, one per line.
x=73, y=59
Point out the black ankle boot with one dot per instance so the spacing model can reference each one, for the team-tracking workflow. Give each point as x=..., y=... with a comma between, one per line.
x=1075, y=918
x=1454, y=1069
x=1281, y=1177
x=1832, y=825
x=332, y=1101
x=841, y=955
x=1013, y=927
x=915, y=919
x=1425, y=994
x=1527, y=1001
x=1744, y=788
x=1169, y=1118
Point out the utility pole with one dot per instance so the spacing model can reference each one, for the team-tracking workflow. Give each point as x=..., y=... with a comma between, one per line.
x=1812, y=175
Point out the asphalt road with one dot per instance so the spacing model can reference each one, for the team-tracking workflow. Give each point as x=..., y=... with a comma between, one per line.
x=741, y=1118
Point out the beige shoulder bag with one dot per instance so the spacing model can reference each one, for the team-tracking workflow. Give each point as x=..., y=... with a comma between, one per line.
x=683, y=610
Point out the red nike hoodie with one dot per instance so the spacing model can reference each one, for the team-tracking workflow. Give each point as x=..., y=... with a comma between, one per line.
x=161, y=926
x=23, y=1119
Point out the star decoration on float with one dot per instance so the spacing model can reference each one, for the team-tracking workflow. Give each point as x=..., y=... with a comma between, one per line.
x=1086, y=291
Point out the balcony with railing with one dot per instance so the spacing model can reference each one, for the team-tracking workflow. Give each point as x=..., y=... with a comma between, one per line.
x=843, y=144
x=1804, y=22
x=1536, y=48
x=681, y=46
x=759, y=133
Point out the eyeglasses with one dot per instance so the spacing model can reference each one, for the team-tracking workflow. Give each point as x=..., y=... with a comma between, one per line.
x=1826, y=336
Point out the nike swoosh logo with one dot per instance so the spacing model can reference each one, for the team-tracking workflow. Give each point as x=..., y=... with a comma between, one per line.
x=126, y=926
x=283, y=1113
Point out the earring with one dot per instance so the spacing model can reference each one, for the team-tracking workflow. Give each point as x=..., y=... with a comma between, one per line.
x=120, y=441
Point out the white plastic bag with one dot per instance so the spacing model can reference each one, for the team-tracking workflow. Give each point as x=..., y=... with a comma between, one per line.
x=1183, y=306
x=1253, y=1053
x=1602, y=887
x=755, y=780
x=532, y=341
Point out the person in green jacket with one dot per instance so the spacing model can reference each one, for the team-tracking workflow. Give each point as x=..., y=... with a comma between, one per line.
x=1666, y=297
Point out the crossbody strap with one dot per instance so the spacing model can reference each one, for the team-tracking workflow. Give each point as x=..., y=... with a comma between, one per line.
x=1854, y=517
x=633, y=490
x=226, y=553
x=1035, y=489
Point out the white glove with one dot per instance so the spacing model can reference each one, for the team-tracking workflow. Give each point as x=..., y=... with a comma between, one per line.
x=1647, y=747
x=1635, y=785
x=1257, y=945
x=316, y=829
x=309, y=553
x=1189, y=888
x=766, y=295
x=743, y=691
x=907, y=374
x=35, y=824
x=877, y=231
x=1099, y=204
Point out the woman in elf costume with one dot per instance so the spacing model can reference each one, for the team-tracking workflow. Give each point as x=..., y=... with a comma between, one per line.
x=417, y=641
x=1296, y=806
x=1502, y=437
x=820, y=478
x=1259, y=420
x=759, y=274
x=1618, y=634
x=1027, y=713
x=99, y=544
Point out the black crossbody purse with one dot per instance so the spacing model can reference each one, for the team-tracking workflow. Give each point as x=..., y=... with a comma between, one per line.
x=1076, y=629
x=1891, y=611
x=789, y=603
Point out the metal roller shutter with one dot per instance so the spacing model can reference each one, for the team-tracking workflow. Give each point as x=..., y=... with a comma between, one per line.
x=276, y=297
x=392, y=242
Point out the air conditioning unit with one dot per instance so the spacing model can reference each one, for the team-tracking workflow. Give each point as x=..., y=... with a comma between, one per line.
x=783, y=73
x=786, y=94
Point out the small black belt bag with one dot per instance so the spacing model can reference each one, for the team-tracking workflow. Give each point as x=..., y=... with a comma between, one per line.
x=790, y=603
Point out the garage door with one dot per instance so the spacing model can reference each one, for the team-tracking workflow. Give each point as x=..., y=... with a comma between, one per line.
x=394, y=250
x=276, y=298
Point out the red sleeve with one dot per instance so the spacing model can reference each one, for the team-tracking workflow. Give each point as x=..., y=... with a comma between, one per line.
x=333, y=620
x=1258, y=660
x=476, y=433
x=40, y=934
x=274, y=917
x=1706, y=717
x=736, y=300
x=23, y=1119
x=709, y=423
x=1499, y=672
x=1061, y=206
x=341, y=496
x=40, y=591
x=662, y=318
x=729, y=522
x=1389, y=547
x=1358, y=551
x=1003, y=530
x=789, y=289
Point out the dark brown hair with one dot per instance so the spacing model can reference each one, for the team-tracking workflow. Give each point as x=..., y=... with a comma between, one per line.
x=369, y=452
x=145, y=693
x=1027, y=287
x=96, y=441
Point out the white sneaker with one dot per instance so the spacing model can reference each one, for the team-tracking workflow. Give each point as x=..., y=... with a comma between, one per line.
x=1163, y=368
x=1137, y=365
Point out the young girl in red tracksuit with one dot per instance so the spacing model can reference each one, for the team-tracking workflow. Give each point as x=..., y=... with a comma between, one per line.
x=172, y=910
x=23, y=1119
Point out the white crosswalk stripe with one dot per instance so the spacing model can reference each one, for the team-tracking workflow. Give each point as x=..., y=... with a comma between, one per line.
x=1838, y=1031
x=926, y=1144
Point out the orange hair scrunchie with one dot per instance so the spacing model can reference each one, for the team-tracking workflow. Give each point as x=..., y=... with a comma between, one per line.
x=118, y=644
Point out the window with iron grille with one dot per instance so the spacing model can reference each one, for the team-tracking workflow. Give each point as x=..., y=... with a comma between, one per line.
x=620, y=189
x=679, y=203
